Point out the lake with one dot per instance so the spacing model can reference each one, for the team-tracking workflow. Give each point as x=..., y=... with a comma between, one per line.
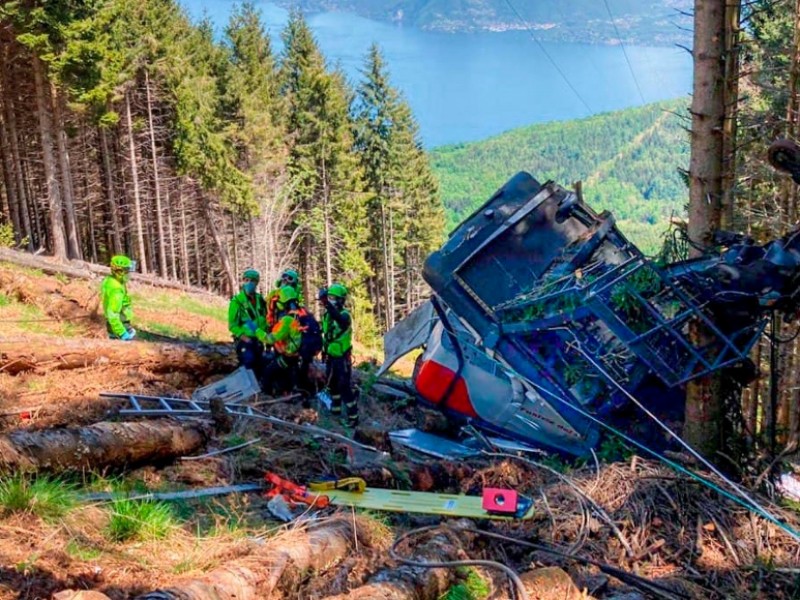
x=469, y=86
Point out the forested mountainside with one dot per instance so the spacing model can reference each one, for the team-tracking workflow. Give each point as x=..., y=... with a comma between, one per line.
x=630, y=163
x=126, y=128
x=646, y=22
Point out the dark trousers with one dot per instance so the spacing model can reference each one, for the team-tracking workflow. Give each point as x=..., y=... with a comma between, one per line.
x=280, y=374
x=251, y=356
x=304, y=383
x=339, y=373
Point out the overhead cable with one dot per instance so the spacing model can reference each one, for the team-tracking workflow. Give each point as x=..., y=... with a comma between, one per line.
x=549, y=57
x=625, y=53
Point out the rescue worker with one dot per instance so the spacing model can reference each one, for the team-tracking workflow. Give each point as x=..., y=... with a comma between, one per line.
x=247, y=316
x=337, y=345
x=291, y=278
x=116, y=301
x=285, y=337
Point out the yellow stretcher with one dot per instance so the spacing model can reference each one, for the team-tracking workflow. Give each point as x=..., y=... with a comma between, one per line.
x=446, y=505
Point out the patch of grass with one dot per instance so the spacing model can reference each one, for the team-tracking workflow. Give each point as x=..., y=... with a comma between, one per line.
x=29, y=319
x=194, y=306
x=27, y=566
x=473, y=587
x=233, y=440
x=71, y=329
x=46, y=497
x=556, y=463
x=163, y=300
x=61, y=278
x=81, y=551
x=4, y=300
x=122, y=485
x=152, y=327
x=142, y=520
x=184, y=566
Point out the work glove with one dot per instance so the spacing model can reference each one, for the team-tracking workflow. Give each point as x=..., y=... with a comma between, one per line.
x=261, y=335
x=128, y=335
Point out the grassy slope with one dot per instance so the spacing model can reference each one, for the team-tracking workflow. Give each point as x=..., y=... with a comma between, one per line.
x=628, y=160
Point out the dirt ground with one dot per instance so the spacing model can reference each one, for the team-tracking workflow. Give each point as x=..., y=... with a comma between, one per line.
x=630, y=513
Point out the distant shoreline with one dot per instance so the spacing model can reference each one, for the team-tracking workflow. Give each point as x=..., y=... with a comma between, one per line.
x=590, y=32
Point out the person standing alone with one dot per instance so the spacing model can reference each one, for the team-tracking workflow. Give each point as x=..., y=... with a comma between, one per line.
x=116, y=301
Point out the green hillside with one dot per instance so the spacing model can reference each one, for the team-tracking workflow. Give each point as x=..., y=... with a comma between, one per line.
x=630, y=163
x=648, y=22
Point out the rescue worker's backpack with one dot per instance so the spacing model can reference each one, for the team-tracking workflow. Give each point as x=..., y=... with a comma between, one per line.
x=311, y=342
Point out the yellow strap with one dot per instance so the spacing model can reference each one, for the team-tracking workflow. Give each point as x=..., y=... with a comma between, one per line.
x=353, y=484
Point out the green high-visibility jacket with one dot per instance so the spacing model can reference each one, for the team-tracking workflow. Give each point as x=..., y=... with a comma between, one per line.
x=116, y=305
x=244, y=316
x=286, y=335
x=336, y=339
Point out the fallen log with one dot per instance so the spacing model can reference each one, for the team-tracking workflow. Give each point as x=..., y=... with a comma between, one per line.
x=101, y=445
x=200, y=359
x=85, y=270
x=259, y=574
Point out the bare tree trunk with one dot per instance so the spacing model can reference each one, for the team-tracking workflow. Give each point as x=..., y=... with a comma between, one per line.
x=235, y=243
x=100, y=445
x=703, y=423
x=184, y=236
x=392, y=309
x=46, y=133
x=385, y=265
x=15, y=174
x=221, y=247
x=197, y=255
x=116, y=228
x=8, y=180
x=73, y=240
x=162, y=256
x=137, y=203
x=173, y=259
x=731, y=112
x=327, y=224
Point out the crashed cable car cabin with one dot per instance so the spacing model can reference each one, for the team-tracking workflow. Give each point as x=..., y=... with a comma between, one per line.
x=544, y=315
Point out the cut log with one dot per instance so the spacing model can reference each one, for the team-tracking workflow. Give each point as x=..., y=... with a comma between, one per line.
x=407, y=582
x=256, y=576
x=200, y=359
x=98, y=446
x=84, y=270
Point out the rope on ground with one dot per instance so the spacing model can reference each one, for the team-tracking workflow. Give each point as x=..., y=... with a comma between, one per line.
x=222, y=451
x=489, y=564
x=630, y=578
x=64, y=320
x=599, y=511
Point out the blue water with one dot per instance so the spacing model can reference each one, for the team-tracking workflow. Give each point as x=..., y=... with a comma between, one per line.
x=469, y=86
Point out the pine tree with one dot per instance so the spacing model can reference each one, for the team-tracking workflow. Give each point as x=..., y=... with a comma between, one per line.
x=404, y=196
x=324, y=179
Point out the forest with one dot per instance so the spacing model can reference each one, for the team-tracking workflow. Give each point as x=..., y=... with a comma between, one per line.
x=631, y=162
x=125, y=127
